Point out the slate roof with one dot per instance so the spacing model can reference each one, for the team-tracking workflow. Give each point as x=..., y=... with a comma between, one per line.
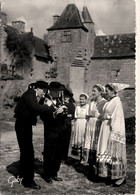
x=110, y=46
x=86, y=16
x=69, y=19
x=40, y=46
x=9, y=29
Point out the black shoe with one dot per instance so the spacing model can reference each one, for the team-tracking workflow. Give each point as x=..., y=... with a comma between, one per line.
x=57, y=178
x=108, y=182
x=48, y=179
x=77, y=163
x=32, y=185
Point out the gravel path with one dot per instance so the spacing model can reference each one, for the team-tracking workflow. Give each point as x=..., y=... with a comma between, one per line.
x=75, y=180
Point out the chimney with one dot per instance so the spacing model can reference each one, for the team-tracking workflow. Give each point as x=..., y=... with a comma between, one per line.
x=31, y=30
x=19, y=25
x=3, y=17
x=55, y=18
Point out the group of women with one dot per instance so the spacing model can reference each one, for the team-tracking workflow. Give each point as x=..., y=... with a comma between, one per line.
x=99, y=133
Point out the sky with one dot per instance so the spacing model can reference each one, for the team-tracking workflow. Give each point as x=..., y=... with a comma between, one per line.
x=109, y=16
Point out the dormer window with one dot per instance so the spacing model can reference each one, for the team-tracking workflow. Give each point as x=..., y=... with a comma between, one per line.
x=66, y=37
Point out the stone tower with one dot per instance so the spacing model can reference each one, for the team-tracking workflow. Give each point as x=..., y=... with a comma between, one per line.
x=72, y=41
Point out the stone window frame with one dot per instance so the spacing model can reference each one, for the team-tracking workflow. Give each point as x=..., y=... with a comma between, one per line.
x=66, y=36
x=47, y=74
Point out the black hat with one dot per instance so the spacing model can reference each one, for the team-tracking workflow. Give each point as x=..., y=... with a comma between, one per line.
x=68, y=93
x=40, y=84
x=56, y=86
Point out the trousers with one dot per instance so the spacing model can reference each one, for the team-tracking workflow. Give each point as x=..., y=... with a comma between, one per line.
x=52, y=157
x=24, y=136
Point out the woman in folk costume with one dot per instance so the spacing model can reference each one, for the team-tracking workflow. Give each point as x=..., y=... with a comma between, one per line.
x=93, y=125
x=111, y=149
x=81, y=112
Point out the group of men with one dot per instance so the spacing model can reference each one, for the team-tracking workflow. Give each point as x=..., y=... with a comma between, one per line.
x=54, y=104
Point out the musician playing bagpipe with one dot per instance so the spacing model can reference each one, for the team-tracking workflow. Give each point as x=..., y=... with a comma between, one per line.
x=53, y=132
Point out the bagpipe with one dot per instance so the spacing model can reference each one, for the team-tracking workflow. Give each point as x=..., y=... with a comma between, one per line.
x=59, y=102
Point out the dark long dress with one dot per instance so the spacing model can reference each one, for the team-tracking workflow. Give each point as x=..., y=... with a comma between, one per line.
x=67, y=129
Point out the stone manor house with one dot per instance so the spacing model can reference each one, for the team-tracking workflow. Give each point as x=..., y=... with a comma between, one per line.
x=70, y=53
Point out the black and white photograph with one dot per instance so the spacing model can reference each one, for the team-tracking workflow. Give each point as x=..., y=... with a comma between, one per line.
x=68, y=96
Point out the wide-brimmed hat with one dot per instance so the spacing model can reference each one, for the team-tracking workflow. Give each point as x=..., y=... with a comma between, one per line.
x=68, y=93
x=56, y=86
x=39, y=84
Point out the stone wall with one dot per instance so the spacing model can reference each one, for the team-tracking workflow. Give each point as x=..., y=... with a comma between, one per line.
x=77, y=81
x=117, y=71
x=104, y=71
x=127, y=97
x=8, y=91
x=66, y=51
x=3, y=36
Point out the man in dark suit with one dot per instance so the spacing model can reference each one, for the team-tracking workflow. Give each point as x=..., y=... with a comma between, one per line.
x=53, y=133
x=26, y=113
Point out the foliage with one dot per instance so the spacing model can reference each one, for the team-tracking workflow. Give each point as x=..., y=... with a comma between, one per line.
x=21, y=44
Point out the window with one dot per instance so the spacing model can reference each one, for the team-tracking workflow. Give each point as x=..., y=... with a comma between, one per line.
x=47, y=74
x=52, y=73
x=66, y=37
x=4, y=69
x=31, y=73
x=11, y=70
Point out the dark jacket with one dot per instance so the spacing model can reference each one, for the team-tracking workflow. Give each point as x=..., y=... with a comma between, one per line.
x=70, y=111
x=28, y=107
x=53, y=126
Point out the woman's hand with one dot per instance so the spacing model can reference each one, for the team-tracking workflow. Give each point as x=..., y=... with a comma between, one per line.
x=48, y=102
x=69, y=115
x=61, y=109
x=88, y=116
x=94, y=113
x=107, y=117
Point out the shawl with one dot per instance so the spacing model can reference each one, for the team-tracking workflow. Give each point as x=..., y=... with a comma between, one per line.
x=117, y=124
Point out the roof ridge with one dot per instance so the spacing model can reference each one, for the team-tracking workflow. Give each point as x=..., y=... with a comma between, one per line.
x=132, y=33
